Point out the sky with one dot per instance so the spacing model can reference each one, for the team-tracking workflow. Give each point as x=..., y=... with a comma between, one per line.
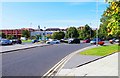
x=17, y=15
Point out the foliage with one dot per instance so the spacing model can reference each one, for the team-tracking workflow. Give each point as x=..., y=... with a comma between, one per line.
x=72, y=33
x=33, y=37
x=25, y=33
x=10, y=37
x=38, y=36
x=86, y=32
x=111, y=18
x=48, y=36
x=2, y=35
x=58, y=35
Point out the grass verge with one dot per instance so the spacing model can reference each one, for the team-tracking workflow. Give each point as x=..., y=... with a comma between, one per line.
x=102, y=50
x=26, y=40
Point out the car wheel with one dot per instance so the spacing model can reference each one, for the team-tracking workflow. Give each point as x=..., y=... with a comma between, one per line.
x=48, y=43
x=57, y=42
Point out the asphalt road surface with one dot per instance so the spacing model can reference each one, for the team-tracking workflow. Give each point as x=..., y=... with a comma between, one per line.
x=36, y=61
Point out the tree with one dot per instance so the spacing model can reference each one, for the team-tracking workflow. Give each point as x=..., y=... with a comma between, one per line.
x=26, y=33
x=72, y=33
x=86, y=32
x=58, y=35
x=2, y=35
x=112, y=15
x=10, y=37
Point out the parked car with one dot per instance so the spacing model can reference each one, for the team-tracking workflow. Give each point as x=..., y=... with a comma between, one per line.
x=117, y=40
x=112, y=40
x=16, y=41
x=100, y=42
x=64, y=40
x=5, y=42
x=19, y=41
x=53, y=41
x=71, y=41
x=86, y=41
x=36, y=40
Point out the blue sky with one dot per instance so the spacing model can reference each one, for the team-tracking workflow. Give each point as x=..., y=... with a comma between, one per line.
x=50, y=14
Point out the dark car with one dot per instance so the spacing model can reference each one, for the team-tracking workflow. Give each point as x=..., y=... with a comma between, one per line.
x=34, y=41
x=16, y=41
x=19, y=41
x=76, y=41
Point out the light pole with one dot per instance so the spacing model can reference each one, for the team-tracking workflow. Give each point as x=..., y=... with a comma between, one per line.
x=97, y=22
x=39, y=31
x=90, y=31
x=44, y=34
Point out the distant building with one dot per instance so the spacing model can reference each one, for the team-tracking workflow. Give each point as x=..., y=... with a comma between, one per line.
x=47, y=32
x=15, y=32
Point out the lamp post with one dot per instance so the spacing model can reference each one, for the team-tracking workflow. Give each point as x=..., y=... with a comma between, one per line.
x=39, y=31
x=90, y=31
x=97, y=22
x=44, y=34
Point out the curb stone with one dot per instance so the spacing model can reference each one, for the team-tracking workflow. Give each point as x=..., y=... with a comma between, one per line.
x=24, y=48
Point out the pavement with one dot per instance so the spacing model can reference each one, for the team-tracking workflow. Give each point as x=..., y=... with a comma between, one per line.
x=90, y=66
x=15, y=47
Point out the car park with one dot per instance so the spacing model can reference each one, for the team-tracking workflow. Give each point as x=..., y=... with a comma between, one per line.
x=53, y=41
x=76, y=41
x=5, y=42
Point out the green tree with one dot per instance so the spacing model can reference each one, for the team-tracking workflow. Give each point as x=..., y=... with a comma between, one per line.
x=72, y=32
x=112, y=18
x=86, y=32
x=2, y=35
x=10, y=37
x=25, y=33
x=58, y=35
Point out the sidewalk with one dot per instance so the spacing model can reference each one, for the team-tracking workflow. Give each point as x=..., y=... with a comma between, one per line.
x=14, y=47
x=107, y=66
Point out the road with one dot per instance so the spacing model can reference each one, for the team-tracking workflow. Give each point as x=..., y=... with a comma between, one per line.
x=36, y=61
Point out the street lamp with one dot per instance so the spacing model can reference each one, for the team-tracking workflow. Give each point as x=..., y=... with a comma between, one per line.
x=44, y=33
x=39, y=31
x=97, y=22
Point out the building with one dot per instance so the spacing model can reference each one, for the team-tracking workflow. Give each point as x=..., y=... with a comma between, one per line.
x=15, y=32
x=47, y=32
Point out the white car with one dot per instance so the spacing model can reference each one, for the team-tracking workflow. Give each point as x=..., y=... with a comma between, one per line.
x=54, y=41
x=117, y=40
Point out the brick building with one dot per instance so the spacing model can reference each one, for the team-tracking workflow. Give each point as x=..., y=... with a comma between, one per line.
x=15, y=32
